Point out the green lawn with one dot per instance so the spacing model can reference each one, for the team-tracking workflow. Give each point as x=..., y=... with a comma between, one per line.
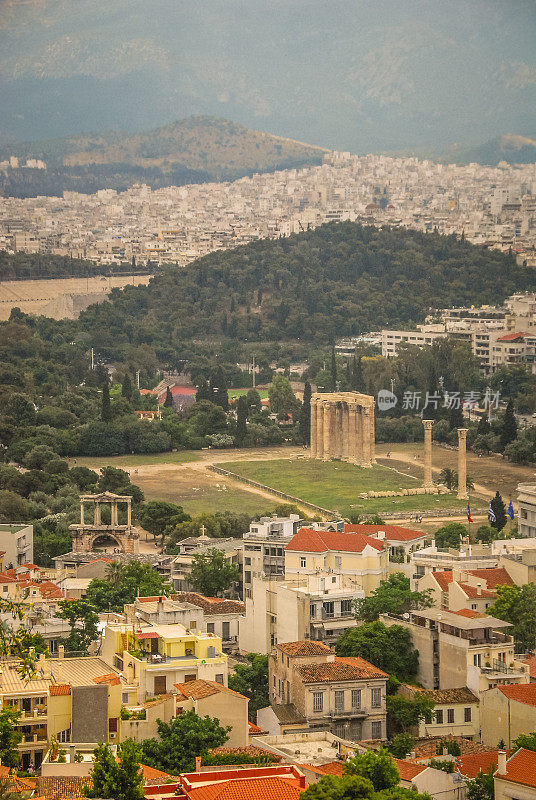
x=336, y=485
x=238, y=392
x=96, y=462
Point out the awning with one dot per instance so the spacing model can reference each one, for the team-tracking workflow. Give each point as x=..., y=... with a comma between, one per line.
x=148, y=635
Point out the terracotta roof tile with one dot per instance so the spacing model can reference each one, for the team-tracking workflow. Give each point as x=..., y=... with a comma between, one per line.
x=110, y=678
x=473, y=763
x=307, y=540
x=250, y=750
x=472, y=591
x=304, y=648
x=458, y=695
x=521, y=768
x=496, y=576
x=469, y=613
x=520, y=692
x=368, y=669
x=61, y=788
x=273, y=788
x=338, y=670
x=408, y=769
x=198, y=689
x=60, y=689
x=211, y=605
x=331, y=768
x=531, y=661
x=392, y=532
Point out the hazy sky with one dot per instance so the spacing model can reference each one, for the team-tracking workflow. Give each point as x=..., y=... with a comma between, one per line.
x=352, y=74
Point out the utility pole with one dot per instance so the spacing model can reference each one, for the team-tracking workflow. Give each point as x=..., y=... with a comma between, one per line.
x=92, y=359
x=138, y=379
x=253, y=370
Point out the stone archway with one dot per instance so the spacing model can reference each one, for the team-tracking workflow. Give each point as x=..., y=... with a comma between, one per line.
x=105, y=542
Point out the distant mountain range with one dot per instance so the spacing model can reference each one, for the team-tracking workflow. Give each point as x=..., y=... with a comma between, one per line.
x=193, y=150
x=358, y=75
x=510, y=148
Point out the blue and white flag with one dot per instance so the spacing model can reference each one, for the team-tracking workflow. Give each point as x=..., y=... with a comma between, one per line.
x=491, y=513
x=510, y=511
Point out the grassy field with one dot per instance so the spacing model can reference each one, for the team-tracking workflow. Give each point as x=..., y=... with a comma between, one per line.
x=96, y=462
x=238, y=392
x=337, y=485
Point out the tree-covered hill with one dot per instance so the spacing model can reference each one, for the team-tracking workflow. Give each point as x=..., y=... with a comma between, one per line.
x=32, y=266
x=340, y=279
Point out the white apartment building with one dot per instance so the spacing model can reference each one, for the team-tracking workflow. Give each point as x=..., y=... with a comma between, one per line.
x=264, y=548
x=17, y=543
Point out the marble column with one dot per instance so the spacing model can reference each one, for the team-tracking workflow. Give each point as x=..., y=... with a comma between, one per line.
x=338, y=430
x=129, y=514
x=81, y=512
x=319, y=428
x=345, y=432
x=428, y=482
x=372, y=437
x=352, y=433
x=97, y=514
x=313, y=449
x=365, y=417
x=327, y=430
x=462, y=464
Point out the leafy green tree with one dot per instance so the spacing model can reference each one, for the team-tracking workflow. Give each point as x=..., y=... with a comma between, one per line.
x=379, y=768
x=212, y=574
x=404, y=714
x=241, y=420
x=251, y=680
x=83, y=477
x=449, y=477
x=156, y=516
x=517, y=605
x=486, y=534
x=527, y=741
x=120, y=779
x=20, y=410
x=499, y=509
x=388, y=648
x=9, y=737
x=132, y=579
x=112, y=478
x=401, y=744
x=282, y=399
x=218, y=388
x=347, y=787
x=482, y=787
x=393, y=596
x=83, y=618
x=305, y=415
x=509, y=426
x=333, y=369
x=254, y=402
x=106, y=407
x=181, y=740
x=450, y=535
x=168, y=402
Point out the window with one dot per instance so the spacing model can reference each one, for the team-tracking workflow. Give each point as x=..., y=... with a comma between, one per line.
x=356, y=698
x=376, y=699
x=188, y=678
x=339, y=700
x=112, y=725
x=219, y=677
x=439, y=717
x=65, y=736
x=210, y=627
x=226, y=630
x=193, y=624
x=303, y=561
x=477, y=659
x=376, y=730
x=312, y=611
x=346, y=606
x=467, y=715
x=124, y=697
x=328, y=609
x=318, y=701
x=160, y=686
x=247, y=576
x=27, y=704
x=450, y=716
x=247, y=561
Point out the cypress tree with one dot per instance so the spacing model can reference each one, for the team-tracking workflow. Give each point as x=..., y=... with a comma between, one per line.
x=305, y=415
x=333, y=369
x=509, y=426
x=203, y=392
x=499, y=510
x=358, y=384
x=168, y=402
x=483, y=427
x=241, y=420
x=126, y=387
x=106, y=408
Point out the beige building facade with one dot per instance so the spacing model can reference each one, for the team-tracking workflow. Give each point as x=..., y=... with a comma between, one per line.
x=506, y=712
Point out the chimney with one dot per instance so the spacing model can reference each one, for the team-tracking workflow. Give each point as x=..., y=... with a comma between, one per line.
x=72, y=753
x=380, y=535
x=61, y=651
x=198, y=763
x=59, y=675
x=445, y=751
x=42, y=661
x=479, y=589
x=413, y=754
x=408, y=756
x=501, y=766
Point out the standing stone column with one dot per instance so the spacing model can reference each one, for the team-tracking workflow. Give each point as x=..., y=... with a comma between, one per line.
x=365, y=417
x=338, y=430
x=327, y=430
x=462, y=464
x=352, y=434
x=345, y=432
x=372, y=438
x=319, y=428
x=313, y=428
x=428, y=482
x=129, y=513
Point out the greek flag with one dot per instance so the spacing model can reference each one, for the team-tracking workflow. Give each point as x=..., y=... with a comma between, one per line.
x=510, y=511
x=491, y=513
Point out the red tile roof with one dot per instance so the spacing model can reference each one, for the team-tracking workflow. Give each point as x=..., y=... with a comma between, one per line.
x=211, y=605
x=59, y=689
x=473, y=763
x=272, y=788
x=392, y=532
x=331, y=768
x=511, y=337
x=151, y=774
x=110, y=678
x=469, y=613
x=147, y=635
x=521, y=768
x=368, y=669
x=338, y=670
x=307, y=540
x=472, y=591
x=520, y=692
x=304, y=648
x=496, y=576
x=531, y=661
x=408, y=769
x=199, y=689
